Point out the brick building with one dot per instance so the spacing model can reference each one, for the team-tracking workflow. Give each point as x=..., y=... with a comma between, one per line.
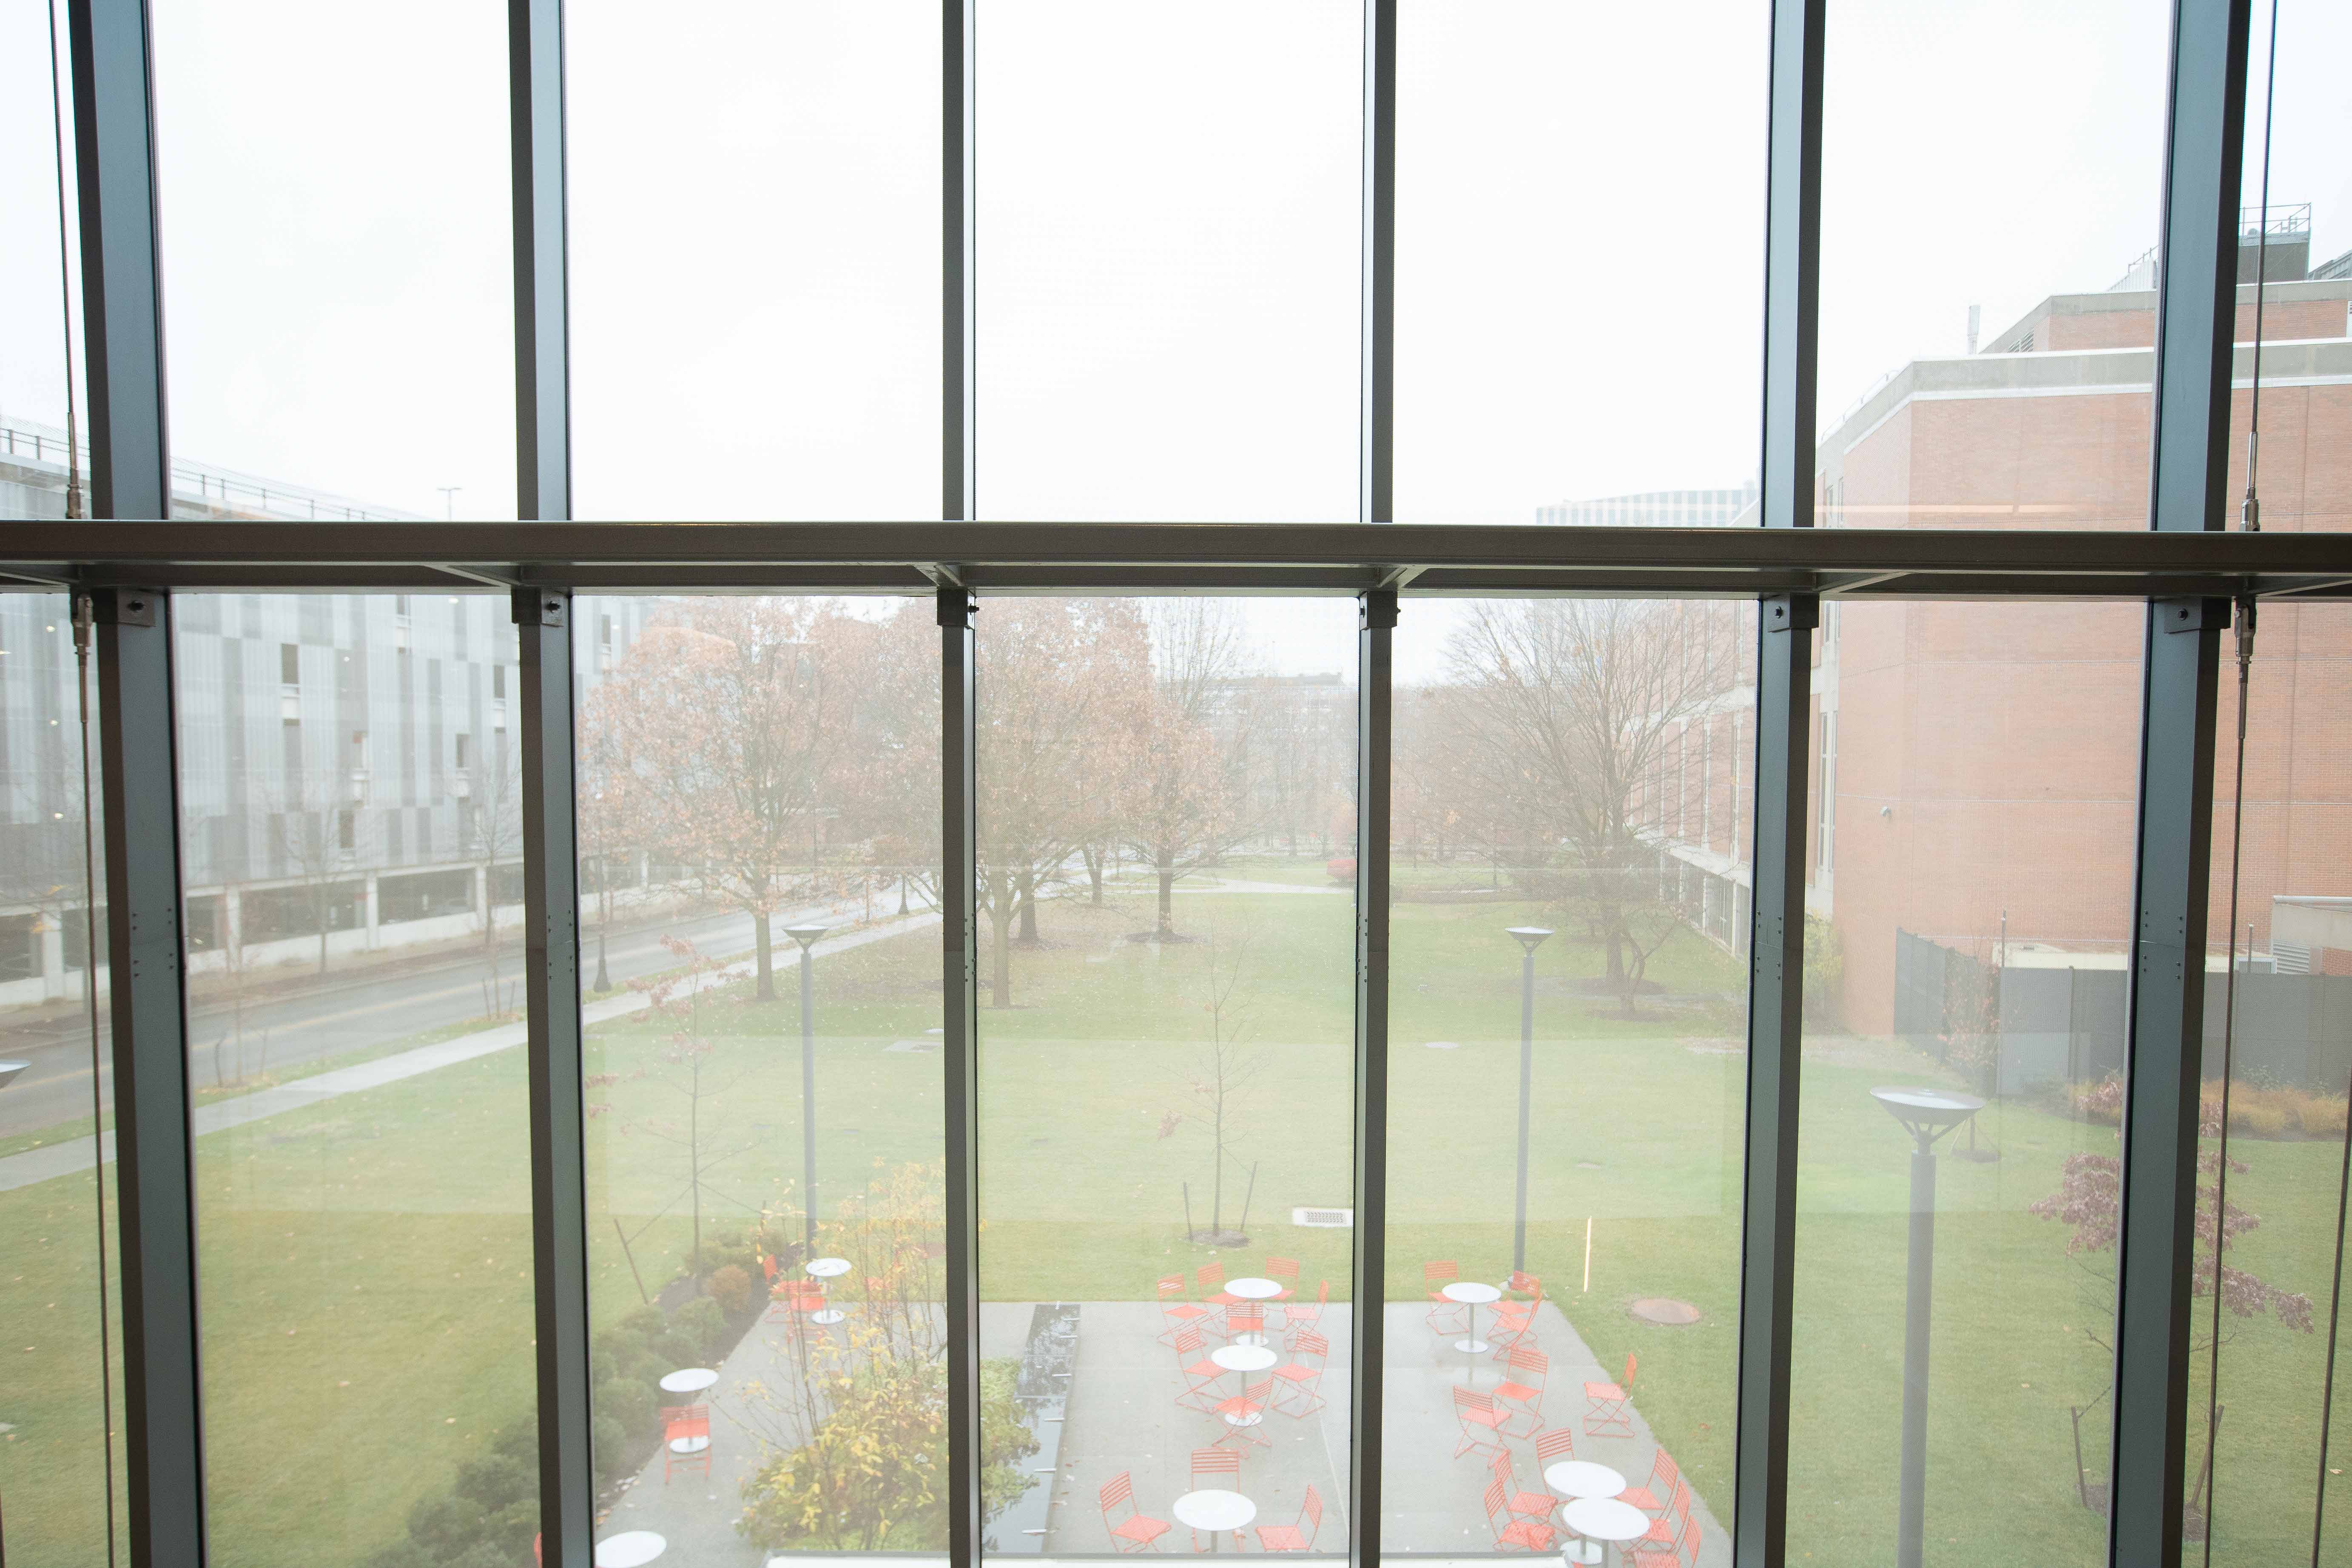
x=1974, y=765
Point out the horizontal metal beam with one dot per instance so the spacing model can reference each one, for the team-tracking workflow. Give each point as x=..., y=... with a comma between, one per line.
x=1043, y=557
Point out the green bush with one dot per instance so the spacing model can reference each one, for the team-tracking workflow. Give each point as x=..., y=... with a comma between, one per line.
x=732, y=1288
x=705, y=1321
x=677, y=1348
x=626, y=1400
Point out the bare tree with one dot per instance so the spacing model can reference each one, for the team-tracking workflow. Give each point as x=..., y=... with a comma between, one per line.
x=1063, y=684
x=1568, y=706
x=730, y=724
x=1186, y=804
x=1214, y=1094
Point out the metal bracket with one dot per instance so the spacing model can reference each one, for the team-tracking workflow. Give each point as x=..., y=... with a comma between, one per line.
x=956, y=607
x=1791, y=612
x=542, y=607
x=122, y=606
x=2192, y=615
x=1377, y=610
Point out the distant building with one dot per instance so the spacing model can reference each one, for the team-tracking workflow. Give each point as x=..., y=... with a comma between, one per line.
x=1972, y=765
x=347, y=762
x=1655, y=509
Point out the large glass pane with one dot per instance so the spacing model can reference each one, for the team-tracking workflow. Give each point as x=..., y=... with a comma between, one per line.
x=35, y=309
x=1169, y=231
x=1574, y=784
x=759, y=803
x=59, y=1294
x=1969, y=911
x=754, y=203
x=337, y=276
x=2278, y=1069
x=1988, y=306
x=1167, y=1066
x=1580, y=261
x=351, y=845
x=2294, y=271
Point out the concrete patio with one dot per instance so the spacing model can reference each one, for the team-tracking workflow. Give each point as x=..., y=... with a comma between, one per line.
x=1121, y=1415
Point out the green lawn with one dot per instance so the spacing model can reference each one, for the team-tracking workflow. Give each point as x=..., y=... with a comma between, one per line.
x=366, y=1261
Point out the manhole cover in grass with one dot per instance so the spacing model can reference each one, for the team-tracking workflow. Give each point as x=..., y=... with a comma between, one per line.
x=912, y=1045
x=1444, y=1045
x=1665, y=1310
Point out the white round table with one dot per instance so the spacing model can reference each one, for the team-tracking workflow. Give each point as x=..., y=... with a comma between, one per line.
x=1252, y=1289
x=822, y=1268
x=1245, y=1359
x=1214, y=1511
x=1473, y=1295
x=688, y=1444
x=1605, y=1519
x=630, y=1549
x=688, y=1380
x=1583, y=1478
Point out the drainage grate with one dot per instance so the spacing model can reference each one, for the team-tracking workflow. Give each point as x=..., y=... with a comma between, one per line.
x=1324, y=1219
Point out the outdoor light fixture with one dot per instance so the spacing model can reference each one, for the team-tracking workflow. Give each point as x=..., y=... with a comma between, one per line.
x=1529, y=938
x=807, y=935
x=1926, y=1114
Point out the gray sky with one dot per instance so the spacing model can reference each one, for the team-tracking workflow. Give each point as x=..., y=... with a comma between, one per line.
x=1169, y=240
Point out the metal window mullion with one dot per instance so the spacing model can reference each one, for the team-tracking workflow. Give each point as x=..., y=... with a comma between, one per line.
x=123, y=288
x=2188, y=487
x=959, y=970
x=542, y=343
x=1375, y=637
x=153, y=1140
x=1783, y=692
x=557, y=1068
x=1377, y=374
x=958, y=263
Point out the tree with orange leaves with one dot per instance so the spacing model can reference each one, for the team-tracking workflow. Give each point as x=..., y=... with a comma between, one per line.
x=731, y=734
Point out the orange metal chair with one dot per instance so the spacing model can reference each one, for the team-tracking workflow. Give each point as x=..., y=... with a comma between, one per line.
x=1299, y=1537
x=1554, y=1444
x=1305, y=1375
x=1245, y=1317
x=1201, y=1375
x=1526, y=1534
x=1670, y=1537
x=1284, y=1272
x=1174, y=1310
x=1524, y=1385
x=683, y=1423
x=1218, y=1468
x=1210, y=1278
x=1238, y=1410
x=1445, y=1316
x=1475, y=1412
x=1298, y=1315
x=1604, y=1405
x=1139, y=1532
x=1522, y=1505
x=1654, y=1497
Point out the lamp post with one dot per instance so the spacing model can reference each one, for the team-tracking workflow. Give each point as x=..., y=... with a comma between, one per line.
x=1529, y=938
x=1926, y=1114
x=807, y=935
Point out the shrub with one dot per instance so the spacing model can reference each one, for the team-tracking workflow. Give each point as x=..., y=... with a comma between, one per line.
x=676, y=1348
x=626, y=1400
x=2257, y=1120
x=703, y=1322
x=732, y=1288
x=496, y=1482
x=2322, y=1116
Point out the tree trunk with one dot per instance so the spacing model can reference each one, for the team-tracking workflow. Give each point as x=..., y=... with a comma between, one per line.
x=999, y=957
x=764, y=958
x=1094, y=875
x=1028, y=899
x=1166, y=869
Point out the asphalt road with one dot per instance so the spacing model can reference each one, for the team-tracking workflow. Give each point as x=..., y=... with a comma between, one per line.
x=368, y=1009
